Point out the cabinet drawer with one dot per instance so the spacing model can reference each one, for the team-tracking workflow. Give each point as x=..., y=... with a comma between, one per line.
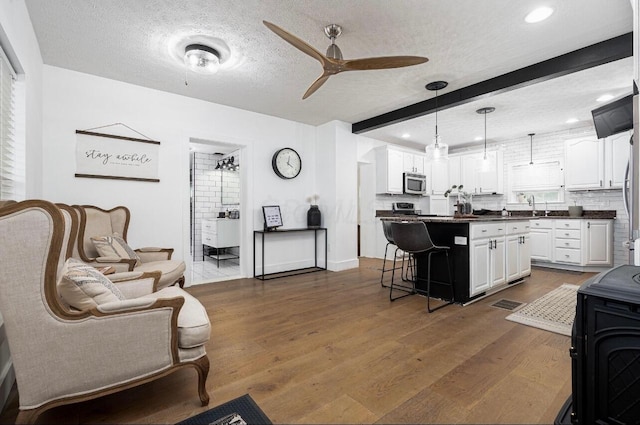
x=489, y=230
x=568, y=243
x=567, y=234
x=209, y=238
x=567, y=255
x=517, y=227
x=568, y=224
x=542, y=224
x=209, y=225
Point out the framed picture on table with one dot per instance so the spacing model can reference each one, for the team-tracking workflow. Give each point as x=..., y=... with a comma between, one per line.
x=272, y=217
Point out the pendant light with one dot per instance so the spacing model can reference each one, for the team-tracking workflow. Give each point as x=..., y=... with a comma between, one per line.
x=437, y=150
x=485, y=111
x=531, y=146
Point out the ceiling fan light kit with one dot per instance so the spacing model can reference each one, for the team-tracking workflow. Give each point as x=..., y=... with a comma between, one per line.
x=333, y=63
x=202, y=59
x=438, y=150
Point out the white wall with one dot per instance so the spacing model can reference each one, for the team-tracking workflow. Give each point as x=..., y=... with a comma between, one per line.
x=74, y=100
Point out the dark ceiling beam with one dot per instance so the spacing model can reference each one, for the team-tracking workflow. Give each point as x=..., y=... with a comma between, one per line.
x=597, y=54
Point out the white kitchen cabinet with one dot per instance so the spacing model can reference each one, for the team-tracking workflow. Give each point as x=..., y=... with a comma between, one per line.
x=598, y=242
x=487, y=257
x=616, y=156
x=576, y=242
x=413, y=163
x=389, y=169
x=437, y=177
x=480, y=177
x=541, y=238
x=518, y=250
x=584, y=163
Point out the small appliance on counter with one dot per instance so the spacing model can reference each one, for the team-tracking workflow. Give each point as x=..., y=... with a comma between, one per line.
x=406, y=208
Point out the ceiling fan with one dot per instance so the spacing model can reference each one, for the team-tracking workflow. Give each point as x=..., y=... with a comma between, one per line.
x=332, y=63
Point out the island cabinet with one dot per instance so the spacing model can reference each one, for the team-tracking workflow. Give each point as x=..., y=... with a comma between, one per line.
x=518, y=243
x=486, y=255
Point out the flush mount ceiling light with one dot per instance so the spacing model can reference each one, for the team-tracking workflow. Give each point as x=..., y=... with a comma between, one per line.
x=538, y=15
x=437, y=150
x=485, y=111
x=572, y=120
x=201, y=58
x=405, y=135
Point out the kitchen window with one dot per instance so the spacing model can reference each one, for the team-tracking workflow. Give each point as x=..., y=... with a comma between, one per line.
x=10, y=174
x=544, y=180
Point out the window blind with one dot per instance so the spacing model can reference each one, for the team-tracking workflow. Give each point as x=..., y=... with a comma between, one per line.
x=8, y=175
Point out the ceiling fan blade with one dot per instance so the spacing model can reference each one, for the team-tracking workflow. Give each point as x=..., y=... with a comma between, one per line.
x=316, y=85
x=296, y=42
x=384, y=62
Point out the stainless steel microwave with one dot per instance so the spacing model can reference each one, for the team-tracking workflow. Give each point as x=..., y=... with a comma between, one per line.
x=414, y=184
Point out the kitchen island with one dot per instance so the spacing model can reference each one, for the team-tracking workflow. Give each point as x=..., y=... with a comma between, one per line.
x=487, y=254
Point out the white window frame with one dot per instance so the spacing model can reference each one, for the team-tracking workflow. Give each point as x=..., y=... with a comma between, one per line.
x=10, y=172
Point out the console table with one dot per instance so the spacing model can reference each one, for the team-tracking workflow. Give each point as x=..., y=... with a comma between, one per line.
x=293, y=272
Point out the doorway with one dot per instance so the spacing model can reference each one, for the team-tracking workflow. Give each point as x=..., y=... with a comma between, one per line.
x=214, y=211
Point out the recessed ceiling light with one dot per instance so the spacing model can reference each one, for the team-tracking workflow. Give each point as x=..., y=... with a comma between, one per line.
x=604, y=98
x=405, y=135
x=477, y=138
x=572, y=120
x=538, y=15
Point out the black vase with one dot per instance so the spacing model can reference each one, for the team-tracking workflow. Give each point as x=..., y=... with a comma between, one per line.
x=314, y=217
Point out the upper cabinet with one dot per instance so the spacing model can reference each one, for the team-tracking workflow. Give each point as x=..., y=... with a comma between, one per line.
x=584, y=163
x=391, y=163
x=616, y=156
x=437, y=177
x=477, y=175
x=592, y=163
x=389, y=169
x=413, y=163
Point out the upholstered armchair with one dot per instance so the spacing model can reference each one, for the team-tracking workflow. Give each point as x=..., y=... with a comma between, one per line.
x=76, y=337
x=96, y=223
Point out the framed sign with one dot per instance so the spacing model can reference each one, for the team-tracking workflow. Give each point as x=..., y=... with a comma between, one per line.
x=107, y=156
x=272, y=217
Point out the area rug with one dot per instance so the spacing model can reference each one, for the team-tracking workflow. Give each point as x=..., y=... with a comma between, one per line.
x=553, y=312
x=243, y=406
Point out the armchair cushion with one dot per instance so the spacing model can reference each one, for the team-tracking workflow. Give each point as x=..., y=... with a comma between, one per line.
x=193, y=322
x=83, y=287
x=171, y=270
x=114, y=246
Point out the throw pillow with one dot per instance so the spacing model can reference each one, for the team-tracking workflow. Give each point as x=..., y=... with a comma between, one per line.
x=83, y=287
x=114, y=246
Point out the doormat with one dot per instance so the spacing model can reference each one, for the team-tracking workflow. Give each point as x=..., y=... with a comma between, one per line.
x=507, y=304
x=237, y=411
x=552, y=312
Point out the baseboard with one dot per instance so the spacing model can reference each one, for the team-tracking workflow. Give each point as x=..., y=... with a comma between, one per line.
x=569, y=267
x=336, y=266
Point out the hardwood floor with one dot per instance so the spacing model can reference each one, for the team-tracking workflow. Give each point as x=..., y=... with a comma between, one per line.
x=330, y=348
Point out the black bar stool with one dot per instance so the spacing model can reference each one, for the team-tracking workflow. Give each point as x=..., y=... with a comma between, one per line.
x=386, y=228
x=414, y=239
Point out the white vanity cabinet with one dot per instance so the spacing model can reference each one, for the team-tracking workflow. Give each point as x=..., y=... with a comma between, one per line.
x=220, y=233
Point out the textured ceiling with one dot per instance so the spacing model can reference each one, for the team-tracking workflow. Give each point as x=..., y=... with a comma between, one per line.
x=467, y=41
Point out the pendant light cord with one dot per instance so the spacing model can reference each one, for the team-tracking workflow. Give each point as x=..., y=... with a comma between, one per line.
x=485, y=135
x=436, y=117
x=531, y=147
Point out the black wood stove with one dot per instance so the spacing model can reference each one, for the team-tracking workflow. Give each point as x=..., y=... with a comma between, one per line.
x=605, y=351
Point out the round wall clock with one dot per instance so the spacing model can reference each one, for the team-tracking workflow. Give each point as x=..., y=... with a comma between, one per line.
x=286, y=163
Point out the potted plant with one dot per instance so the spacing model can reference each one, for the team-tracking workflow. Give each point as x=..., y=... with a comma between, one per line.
x=464, y=199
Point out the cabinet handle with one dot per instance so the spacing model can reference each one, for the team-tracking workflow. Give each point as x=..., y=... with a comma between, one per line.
x=566, y=234
x=610, y=184
x=588, y=225
x=566, y=255
x=566, y=243
x=566, y=224
x=484, y=231
x=600, y=183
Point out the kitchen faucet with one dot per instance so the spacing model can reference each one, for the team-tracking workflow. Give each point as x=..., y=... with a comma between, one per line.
x=532, y=202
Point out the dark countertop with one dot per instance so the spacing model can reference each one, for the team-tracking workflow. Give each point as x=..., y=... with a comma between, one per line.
x=451, y=219
x=496, y=216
